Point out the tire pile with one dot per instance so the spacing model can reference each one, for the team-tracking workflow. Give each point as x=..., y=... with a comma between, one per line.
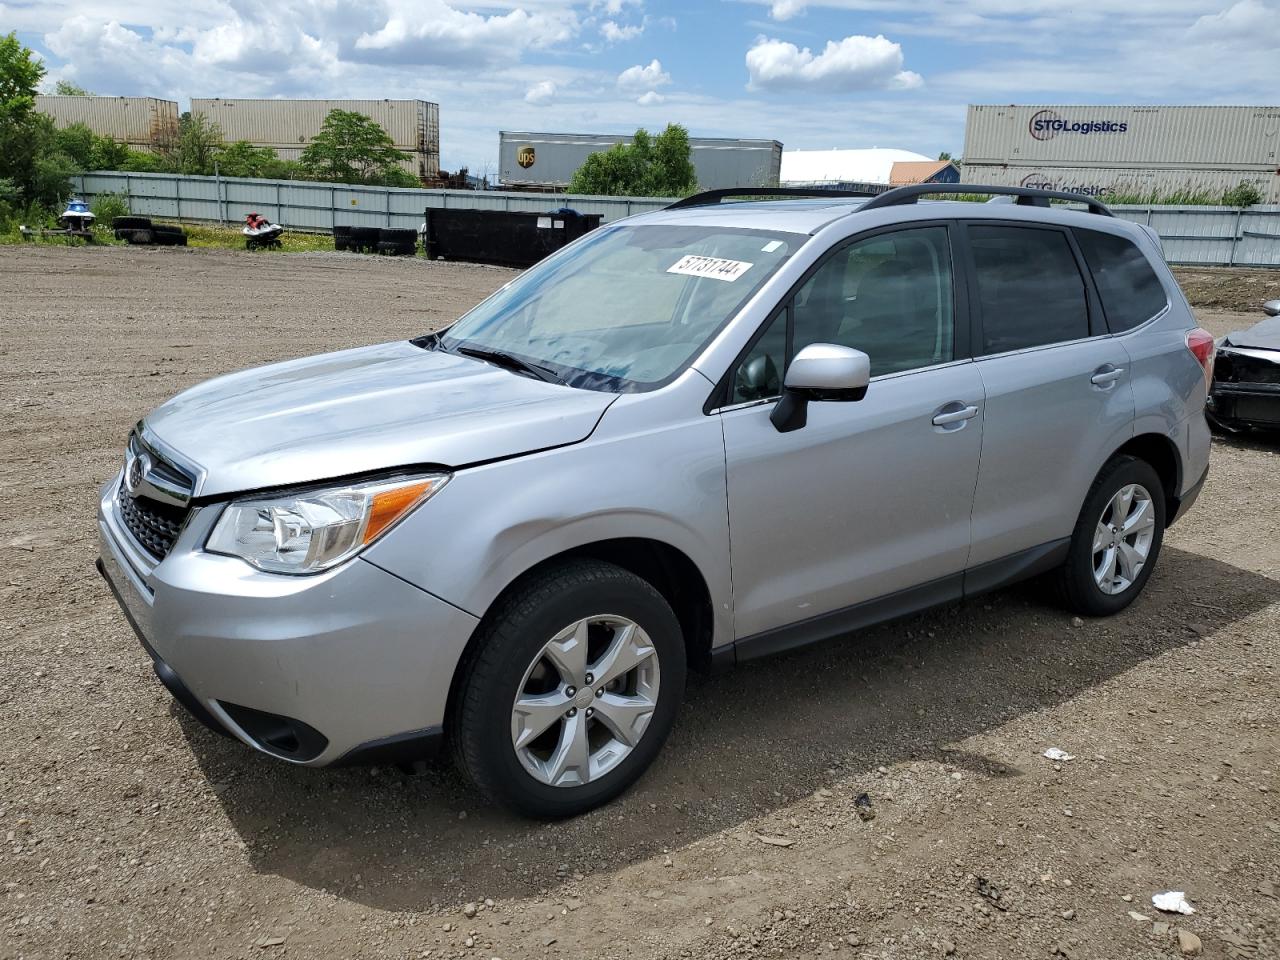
x=140, y=231
x=383, y=240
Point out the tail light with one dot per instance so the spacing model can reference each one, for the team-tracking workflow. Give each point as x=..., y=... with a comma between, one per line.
x=1200, y=343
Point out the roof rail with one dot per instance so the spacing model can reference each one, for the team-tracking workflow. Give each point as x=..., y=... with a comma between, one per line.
x=1024, y=196
x=709, y=198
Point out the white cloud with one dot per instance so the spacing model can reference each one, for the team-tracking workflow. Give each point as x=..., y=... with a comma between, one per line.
x=854, y=63
x=638, y=78
x=541, y=93
x=615, y=33
x=786, y=9
x=650, y=98
x=613, y=7
x=435, y=32
x=1248, y=21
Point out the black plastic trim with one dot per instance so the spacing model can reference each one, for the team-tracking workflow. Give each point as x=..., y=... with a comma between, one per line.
x=277, y=734
x=827, y=625
x=1022, y=565
x=425, y=744
x=894, y=606
x=1183, y=503
x=1025, y=196
x=165, y=673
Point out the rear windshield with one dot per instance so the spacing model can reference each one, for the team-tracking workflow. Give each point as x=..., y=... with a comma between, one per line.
x=627, y=307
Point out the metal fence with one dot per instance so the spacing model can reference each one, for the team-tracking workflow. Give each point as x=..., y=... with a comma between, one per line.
x=1206, y=236
x=319, y=206
x=1213, y=236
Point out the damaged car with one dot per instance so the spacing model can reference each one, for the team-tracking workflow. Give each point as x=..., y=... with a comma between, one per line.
x=1246, y=377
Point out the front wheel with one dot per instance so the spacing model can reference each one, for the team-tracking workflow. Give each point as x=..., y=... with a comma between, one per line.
x=573, y=688
x=1116, y=539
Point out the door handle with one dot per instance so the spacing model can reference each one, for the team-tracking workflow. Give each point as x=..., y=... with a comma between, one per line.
x=1107, y=376
x=954, y=416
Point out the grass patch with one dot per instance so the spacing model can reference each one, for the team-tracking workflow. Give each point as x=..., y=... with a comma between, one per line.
x=202, y=235
x=230, y=238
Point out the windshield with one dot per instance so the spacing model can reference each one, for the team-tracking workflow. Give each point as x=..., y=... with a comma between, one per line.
x=627, y=308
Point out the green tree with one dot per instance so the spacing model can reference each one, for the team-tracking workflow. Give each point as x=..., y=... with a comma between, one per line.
x=29, y=156
x=65, y=88
x=944, y=155
x=192, y=147
x=351, y=148
x=243, y=159
x=647, y=167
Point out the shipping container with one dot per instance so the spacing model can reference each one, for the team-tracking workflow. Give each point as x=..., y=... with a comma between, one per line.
x=1150, y=151
x=141, y=122
x=549, y=160
x=1244, y=138
x=287, y=126
x=1143, y=184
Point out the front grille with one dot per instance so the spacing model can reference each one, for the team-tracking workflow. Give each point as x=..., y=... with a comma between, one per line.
x=153, y=525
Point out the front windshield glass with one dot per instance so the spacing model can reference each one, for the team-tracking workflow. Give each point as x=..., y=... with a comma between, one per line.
x=627, y=308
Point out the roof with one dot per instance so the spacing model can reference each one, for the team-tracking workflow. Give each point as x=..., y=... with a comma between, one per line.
x=837, y=166
x=915, y=171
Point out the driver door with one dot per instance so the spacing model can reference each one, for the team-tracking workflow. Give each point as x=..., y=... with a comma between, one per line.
x=871, y=497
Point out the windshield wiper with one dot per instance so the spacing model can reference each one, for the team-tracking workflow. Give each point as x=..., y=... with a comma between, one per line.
x=510, y=362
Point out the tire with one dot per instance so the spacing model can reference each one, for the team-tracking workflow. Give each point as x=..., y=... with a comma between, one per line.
x=397, y=236
x=342, y=238
x=168, y=236
x=364, y=239
x=130, y=223
x=138, y=237
x=508, y=658
x=1077, y=581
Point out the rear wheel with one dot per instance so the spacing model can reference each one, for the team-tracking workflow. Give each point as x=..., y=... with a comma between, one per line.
x=572, y=691
x=1116, y=540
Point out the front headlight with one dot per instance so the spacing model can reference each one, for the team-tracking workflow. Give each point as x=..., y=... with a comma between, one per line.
x=313, y=530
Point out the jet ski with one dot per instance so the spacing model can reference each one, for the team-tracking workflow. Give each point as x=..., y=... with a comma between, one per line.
x=260, y=232
x=77, y=218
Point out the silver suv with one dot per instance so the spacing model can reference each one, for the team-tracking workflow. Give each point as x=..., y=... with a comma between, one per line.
x=691, y=438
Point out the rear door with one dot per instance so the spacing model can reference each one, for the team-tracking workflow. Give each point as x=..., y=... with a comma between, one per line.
x=1057, y=384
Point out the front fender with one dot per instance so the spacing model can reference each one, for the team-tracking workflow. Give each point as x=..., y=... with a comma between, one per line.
x=494, y=522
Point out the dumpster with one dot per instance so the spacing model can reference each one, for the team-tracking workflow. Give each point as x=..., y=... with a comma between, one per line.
x=502, y=238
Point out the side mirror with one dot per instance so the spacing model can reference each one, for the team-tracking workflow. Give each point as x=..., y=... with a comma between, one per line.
x=1271, y=308
x=820, y=371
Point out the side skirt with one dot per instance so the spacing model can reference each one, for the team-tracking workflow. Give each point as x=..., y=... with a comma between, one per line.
x=904, y=603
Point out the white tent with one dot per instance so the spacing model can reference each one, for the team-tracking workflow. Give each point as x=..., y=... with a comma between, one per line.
x=841, y=166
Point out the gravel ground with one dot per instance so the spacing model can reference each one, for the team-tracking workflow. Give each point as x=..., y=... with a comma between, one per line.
x=131, y=832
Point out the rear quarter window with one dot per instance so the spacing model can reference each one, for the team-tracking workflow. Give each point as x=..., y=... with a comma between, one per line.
x=1130, y=290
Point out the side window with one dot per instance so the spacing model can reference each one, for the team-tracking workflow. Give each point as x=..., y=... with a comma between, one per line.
x=1130, y=290
x=1029, y=287
x=889, y=296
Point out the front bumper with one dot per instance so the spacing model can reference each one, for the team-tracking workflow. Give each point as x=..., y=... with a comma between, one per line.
x=348, y=664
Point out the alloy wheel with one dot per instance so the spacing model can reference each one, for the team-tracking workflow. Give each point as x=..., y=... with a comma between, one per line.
x=1122, y=539
x=585, y=700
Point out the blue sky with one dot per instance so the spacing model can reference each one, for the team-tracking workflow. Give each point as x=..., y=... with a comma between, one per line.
x=841, y=73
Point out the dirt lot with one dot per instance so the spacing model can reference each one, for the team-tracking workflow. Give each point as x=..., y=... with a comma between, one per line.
x=130, y=832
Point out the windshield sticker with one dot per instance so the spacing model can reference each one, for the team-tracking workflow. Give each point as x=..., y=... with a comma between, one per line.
x=717, y=268
x=771, y=246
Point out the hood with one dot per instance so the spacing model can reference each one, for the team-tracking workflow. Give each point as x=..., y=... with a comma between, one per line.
x=361, y=410
x=1261, y=336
